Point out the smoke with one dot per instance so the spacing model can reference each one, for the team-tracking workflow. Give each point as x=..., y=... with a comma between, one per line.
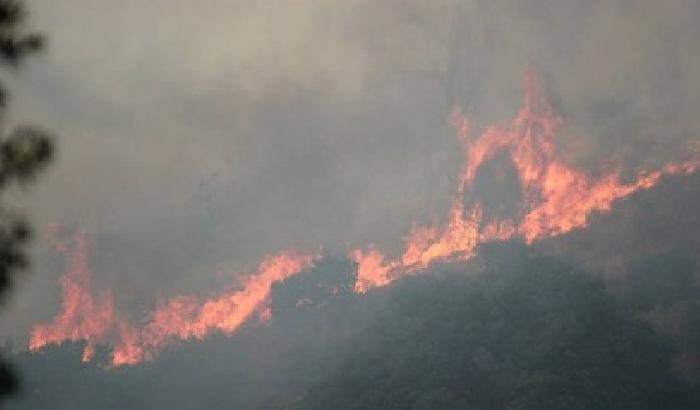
x=197, y=138
x=554, y=199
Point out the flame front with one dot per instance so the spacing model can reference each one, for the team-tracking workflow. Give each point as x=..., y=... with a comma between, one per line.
x=183, y=317
x=93, y=320
x=556, y=198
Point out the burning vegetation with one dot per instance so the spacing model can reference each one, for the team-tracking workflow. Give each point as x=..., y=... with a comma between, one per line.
x=553, y=199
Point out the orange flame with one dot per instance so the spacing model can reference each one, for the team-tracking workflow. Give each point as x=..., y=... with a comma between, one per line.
x=556, y=197
x=93, y=320
x=82, y=317
x=183, y=317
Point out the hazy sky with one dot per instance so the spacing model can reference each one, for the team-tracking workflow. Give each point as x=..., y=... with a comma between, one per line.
x=195, y=137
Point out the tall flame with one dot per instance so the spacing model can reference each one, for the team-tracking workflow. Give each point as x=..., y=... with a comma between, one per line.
x=82, y=317
x=556, y=198
x=94, y=321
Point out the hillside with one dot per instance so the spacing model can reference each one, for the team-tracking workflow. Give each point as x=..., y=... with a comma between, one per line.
x=606, y=317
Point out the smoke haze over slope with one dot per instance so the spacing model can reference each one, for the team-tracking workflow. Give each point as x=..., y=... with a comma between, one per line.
x=198, y=138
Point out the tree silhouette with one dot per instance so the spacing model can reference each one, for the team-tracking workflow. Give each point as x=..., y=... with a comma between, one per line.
x=23, y=153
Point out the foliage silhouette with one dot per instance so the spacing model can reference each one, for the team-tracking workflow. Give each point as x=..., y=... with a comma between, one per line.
x=23, y=153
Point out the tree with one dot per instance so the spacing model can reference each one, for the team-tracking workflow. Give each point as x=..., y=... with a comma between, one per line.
x=23, y=153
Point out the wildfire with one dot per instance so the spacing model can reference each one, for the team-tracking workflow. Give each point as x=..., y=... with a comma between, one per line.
x=556, y=198
x=184, y=317
x=82, y=317
x=94, y=321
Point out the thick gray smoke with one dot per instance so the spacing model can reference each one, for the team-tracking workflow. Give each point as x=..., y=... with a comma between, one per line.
x=198, y=136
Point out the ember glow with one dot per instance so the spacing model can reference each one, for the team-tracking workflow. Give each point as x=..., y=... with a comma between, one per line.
x=556, y=198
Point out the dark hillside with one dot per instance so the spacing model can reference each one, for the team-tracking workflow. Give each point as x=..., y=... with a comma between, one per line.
x=603, y=318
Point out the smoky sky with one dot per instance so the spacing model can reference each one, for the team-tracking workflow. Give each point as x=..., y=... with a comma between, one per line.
x=195, y=137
